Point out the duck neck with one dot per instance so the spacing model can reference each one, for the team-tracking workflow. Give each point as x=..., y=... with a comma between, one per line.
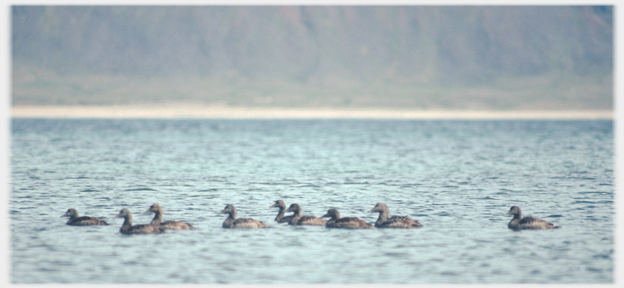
x=383, y=216
x=230, y=219
x=280, y=214
x=295, y=217
x=157, y=218
x=513, y=224
x=231, y=215
x=127, y=223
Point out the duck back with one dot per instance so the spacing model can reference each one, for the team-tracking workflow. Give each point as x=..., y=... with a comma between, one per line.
x=348, y=222
x=86, y=221
x=399, y=222
x=311, y=220
x=530, y=223
x=284, y=219
x=248, y=223
x=176, y=225
x=142, y=229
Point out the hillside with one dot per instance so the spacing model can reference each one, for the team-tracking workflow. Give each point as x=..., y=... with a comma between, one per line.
x=457, y=57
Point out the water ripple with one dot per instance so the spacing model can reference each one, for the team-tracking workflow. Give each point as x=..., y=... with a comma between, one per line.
x=458, y=178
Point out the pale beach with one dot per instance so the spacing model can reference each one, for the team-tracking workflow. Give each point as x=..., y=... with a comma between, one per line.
x=229, y=112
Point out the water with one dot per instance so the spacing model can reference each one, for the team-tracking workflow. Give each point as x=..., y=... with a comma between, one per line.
x=458, y=178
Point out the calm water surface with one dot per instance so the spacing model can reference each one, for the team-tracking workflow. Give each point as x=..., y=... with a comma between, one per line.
x=458, y=178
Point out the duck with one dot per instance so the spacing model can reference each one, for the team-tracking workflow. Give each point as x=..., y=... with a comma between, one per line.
x=233, y=222
x=346, y=222
x=280, y=218
x=127, y=228
x=81, y=221
x=297, y=219
x=529, y=222
x=169, y=224
x=384, y=221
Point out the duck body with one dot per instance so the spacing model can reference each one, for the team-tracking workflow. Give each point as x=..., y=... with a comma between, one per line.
x=400, y=222
x=169, y=224
x=280, y=218
x=345, y=222
x=75, y=220
x=232, y=222
x=527, y=223
x=128, y=228
x=176, y=225
x=297, y=219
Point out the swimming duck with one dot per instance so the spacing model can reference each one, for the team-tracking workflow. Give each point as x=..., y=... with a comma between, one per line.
x=232, y=222
x=127, y=227
x=169, y=224
x=393, y=222
x=280, y=218
x=81, y=221
x=529, y=222
x=297, y=219
x=346, y=222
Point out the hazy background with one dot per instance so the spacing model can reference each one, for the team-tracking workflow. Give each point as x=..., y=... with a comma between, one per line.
x=415, y=57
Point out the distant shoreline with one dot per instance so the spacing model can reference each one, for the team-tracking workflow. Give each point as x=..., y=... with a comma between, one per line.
x=228, y=112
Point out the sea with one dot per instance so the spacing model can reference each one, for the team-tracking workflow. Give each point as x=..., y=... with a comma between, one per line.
x=456, y=177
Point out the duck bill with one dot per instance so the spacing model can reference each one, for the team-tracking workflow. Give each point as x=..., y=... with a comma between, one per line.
x=64, y=215
x=274, y=205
